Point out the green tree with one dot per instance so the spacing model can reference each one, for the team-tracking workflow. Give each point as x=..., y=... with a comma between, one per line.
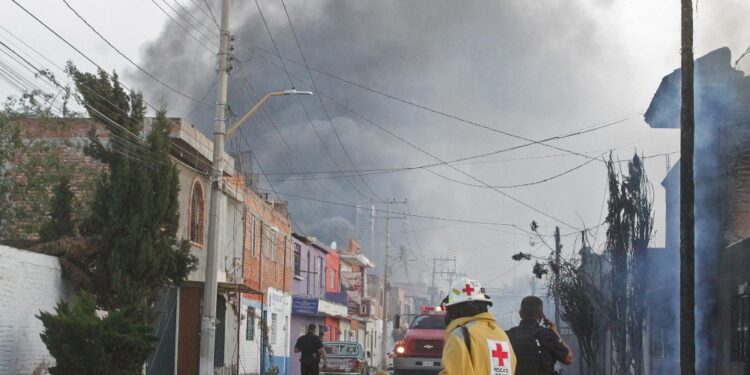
x=60, y=223
x=83, y=342
x=131, y=251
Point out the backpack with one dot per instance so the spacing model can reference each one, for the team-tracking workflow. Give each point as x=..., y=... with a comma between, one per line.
x=528, y=351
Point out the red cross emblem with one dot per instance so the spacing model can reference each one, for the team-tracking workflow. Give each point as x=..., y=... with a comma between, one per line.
x=468, y=289
x=500, y=354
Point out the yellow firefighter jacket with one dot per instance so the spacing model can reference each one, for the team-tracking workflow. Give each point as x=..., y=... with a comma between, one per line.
x=491, y=353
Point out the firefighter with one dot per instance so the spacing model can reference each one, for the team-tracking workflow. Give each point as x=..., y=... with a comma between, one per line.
x=474, y=343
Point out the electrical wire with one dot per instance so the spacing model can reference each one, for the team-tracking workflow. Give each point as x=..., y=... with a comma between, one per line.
x=433, y=110
x=437, y=218
x=189, y=13
x=299, y=100
x=211, y=12
x=144, y=71
x=476, y=156
x=320, y=99
x=180, y=16
x=32, y=15
x=187, y=32
x=441, y=161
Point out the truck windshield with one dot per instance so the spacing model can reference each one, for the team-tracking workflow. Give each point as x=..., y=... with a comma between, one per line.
x=428, y=322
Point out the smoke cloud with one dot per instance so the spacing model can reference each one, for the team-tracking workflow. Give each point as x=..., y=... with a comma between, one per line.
x=536, y=69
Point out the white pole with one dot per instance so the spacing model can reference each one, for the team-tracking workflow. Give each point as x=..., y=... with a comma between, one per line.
x=385, y=334
x=216, y=214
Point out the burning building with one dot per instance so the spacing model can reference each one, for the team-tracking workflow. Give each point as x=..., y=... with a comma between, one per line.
x=722, y=221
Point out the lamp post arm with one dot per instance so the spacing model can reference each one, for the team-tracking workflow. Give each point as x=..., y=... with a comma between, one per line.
x=251, y=112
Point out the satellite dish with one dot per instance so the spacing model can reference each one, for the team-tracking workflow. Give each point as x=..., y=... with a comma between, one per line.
x=334, y=245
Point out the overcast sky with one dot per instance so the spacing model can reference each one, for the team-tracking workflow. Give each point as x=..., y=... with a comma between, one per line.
x=534, y=69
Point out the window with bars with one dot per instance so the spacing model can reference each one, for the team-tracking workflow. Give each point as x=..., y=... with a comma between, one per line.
x=250, y=329
x=297, y=260
x=196, y=216
x=740, y=346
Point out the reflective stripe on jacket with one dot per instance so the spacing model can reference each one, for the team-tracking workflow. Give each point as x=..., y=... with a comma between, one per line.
x=491, y=352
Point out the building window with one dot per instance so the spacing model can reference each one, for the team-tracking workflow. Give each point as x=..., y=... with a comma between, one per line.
x=253, y=231
x=740, y=346
x=321, y=275
x=196, y=215
x=332, y=279
x=250, y=330
x=297, y=259
x=266, y=241
x=274, y=328
x=274, y=246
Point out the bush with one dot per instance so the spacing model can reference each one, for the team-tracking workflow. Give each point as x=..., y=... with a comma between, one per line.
x=84, y=343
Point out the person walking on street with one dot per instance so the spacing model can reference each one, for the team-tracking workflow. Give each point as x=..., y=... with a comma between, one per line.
x=474, y=343
x=312, y=351
x=537, y=348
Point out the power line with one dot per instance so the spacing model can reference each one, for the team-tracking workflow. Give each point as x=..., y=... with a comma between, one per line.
x=537, y=182
x=476, y=156
x=433, y=110
x=189, y=13
x=320, y=99
x=176, y=12
x=144, y=71
x=441, y=161
x=74, y=47
x=299, y=100
x=211, y=12
x=201, y=43
x=429, y=217
x=410, y=144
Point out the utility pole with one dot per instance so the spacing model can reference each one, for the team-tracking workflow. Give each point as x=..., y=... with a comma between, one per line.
x=372, y=229
x=356, y=221
x=450, y=272
x=687, y=198
x=386, y=287
x=216, y=214
x=558, y=248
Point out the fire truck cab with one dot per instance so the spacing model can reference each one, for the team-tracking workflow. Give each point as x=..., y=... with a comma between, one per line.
x=421, y=349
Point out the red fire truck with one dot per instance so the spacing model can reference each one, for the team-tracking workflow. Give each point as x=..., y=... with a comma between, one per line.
x=421, y=349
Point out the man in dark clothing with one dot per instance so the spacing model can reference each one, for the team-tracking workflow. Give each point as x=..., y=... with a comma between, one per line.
x=312, y=351
x=537, y=348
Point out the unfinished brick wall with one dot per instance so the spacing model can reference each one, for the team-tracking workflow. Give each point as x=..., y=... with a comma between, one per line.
x=266, y=223
x=53, y=148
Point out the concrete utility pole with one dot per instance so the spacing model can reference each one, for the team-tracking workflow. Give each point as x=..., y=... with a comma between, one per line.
x=386, y=285
x=372, y=229
x=450, y=272
x=687, y=198
x=558, y=248
x=216, y=214
x=384, y=344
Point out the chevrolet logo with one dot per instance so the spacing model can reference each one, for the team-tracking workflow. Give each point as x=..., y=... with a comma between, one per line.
x=428, y=346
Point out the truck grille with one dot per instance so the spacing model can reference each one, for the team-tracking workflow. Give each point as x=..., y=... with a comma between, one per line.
x=428, y=346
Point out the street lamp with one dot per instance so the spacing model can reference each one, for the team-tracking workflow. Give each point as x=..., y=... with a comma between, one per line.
x=210, y=288
x=260, y=103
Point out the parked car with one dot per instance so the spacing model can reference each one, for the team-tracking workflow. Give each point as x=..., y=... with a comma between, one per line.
x=344, y=358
